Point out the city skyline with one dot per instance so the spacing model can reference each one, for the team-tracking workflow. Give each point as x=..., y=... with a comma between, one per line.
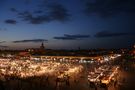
x=68, y=24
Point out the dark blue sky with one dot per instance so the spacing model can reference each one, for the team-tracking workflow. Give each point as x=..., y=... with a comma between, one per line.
x=67, y=24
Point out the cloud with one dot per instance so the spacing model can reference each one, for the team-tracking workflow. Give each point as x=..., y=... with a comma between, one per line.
x=3, y=29
x=77, y=36
x=31, y=40
x=110, y=7
x=27, y=1
x=2, y=46
x=72, y=37
x=109, y=34
x=10, y=21
x=38, y=12
x=2, y=41
x=29, y=17
x=65, y=38
x=46, y=13
x=13, y=10
x=58, y=12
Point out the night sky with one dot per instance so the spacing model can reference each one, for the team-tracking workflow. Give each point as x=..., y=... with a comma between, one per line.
x=67, y=24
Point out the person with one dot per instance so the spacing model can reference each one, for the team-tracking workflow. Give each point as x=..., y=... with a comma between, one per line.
x=124, y=80
x=1, y=86
x=115, y=83
x=104, y=86
x=76, y=81
x=57, y=82
x=91, y=84
x=47, y=80
x=95, y=87
x=67, y=81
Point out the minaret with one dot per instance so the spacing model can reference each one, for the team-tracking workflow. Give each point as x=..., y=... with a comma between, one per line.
x=42, y=47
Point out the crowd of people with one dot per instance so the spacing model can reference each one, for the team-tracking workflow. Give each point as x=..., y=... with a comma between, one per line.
x=103, y=76
x=39, y=75
x=21, y=75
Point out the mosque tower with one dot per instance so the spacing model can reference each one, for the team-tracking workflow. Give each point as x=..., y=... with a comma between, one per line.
x=42, y=48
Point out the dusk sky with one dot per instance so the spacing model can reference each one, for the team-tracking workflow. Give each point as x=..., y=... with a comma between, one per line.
x=67, y=24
